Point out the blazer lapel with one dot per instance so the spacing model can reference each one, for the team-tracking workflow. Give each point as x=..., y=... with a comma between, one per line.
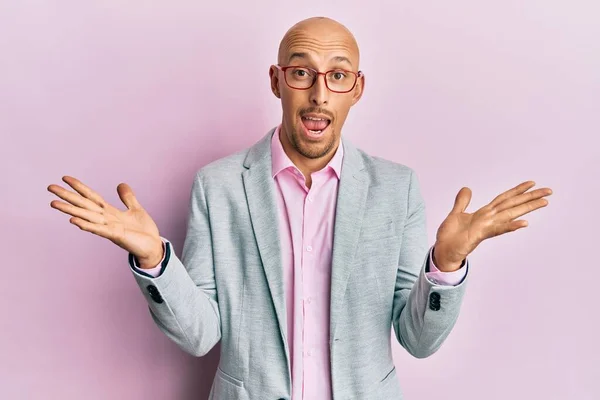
x=351, y=200
x=261, y=196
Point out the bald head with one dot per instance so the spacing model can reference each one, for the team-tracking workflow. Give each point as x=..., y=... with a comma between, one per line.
x=322, y=35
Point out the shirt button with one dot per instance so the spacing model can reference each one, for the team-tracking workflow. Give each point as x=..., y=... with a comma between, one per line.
x=310, y=198
x=309, y=353
x=309, y=300
x=308, y=248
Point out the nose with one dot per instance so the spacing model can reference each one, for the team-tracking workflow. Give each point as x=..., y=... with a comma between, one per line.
x=319, y=94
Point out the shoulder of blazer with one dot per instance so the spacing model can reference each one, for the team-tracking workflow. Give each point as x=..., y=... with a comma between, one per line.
x=232, y=165
x=377, y=168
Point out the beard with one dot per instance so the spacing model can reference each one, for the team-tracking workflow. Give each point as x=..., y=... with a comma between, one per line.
x=312, y=150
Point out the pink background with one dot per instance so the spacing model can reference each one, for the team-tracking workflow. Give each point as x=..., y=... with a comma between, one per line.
x=468, y=93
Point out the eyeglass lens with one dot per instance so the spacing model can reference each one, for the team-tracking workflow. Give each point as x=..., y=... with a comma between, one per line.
x=336, y=80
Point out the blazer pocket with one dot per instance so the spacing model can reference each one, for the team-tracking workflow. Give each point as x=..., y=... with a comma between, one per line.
x=228, y=378
x=389, y=375
x=371, y=233
x=388, y=387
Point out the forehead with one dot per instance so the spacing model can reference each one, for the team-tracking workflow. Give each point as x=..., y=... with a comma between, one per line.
x=319, y=46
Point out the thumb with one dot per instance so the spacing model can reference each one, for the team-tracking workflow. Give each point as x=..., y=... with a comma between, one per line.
x=127, y=196
x=463, y=198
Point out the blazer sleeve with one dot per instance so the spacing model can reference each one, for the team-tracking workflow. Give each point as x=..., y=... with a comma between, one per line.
x=424, y=312
x=182, y=299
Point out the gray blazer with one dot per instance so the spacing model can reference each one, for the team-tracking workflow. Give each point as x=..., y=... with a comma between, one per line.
x=228, y=283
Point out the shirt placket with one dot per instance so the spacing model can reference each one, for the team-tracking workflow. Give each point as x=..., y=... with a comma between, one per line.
x=310, y=250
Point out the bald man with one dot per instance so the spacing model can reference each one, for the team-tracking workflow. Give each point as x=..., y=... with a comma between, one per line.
x=303, y=252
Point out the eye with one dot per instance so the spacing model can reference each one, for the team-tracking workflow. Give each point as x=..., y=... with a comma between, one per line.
x=300, y=72
x=338, y=75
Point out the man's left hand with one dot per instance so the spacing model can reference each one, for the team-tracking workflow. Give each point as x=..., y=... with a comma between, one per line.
x=461, y=232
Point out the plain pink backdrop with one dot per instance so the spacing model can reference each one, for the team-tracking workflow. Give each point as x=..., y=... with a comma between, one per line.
x=468, y=93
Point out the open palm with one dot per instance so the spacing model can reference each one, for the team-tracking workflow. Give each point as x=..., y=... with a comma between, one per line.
x=462, y=232
x=132, y=229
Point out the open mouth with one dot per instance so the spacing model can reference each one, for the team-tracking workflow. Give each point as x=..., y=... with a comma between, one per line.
x=315, y=126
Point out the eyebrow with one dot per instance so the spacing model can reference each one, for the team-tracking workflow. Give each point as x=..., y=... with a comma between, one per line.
x=305, y=56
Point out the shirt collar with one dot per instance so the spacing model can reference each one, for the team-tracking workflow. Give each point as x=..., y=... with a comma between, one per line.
x=281, y=161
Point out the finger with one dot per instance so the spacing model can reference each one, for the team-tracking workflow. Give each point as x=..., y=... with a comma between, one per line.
x=85, y=191
x=74, y=198
x=521, y=188
x=516, y=212
x=523, y=198
x=127, y=196
x=462, y=200
x=510, y=227
x=82, y=213
x=97, y=229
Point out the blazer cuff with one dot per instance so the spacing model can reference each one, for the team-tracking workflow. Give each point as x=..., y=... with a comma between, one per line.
x=437, y=277
x=156, y=271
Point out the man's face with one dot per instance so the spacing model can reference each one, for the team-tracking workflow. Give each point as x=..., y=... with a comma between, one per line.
x=313, y=118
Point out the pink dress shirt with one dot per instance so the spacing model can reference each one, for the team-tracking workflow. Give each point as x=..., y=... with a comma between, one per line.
x=306, y=225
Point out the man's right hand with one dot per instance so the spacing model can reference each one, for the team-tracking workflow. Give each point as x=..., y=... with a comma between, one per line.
x=132, y=229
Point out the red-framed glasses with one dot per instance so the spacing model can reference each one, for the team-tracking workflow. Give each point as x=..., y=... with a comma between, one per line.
x=303, y=78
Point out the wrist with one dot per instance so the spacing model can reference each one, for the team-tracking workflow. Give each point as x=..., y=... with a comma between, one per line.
x=443, y=264
x=154, y=260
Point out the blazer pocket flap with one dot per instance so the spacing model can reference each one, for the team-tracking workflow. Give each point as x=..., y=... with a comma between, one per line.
x=228, y=378
x=376, y=231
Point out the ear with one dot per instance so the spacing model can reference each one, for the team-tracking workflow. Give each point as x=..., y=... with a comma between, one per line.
x=358, y=89
x=274, y=76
